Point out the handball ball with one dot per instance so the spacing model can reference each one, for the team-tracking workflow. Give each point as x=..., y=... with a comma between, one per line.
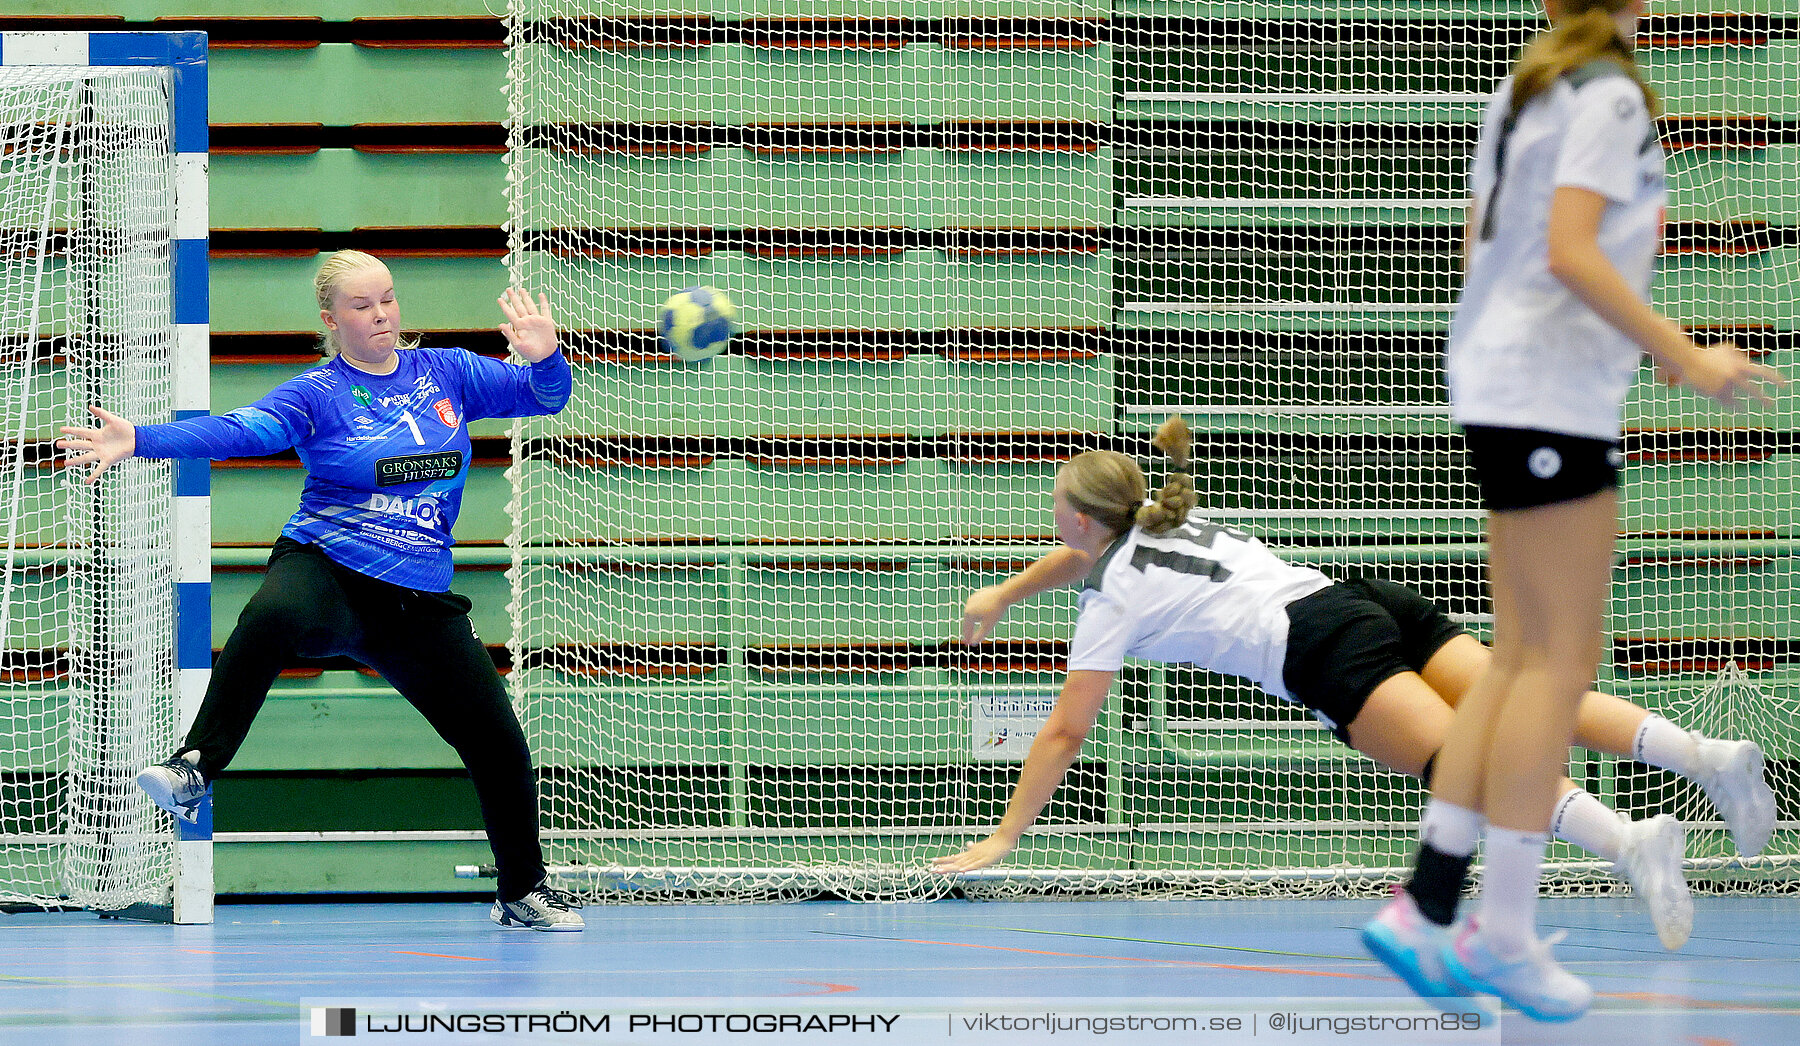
x=696, y=323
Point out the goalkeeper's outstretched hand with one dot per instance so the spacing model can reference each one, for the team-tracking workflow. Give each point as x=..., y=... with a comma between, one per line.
x=113, y=442
x=529, y=327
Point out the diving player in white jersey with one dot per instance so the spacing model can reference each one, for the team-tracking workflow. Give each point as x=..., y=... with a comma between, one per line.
x=363, y=567
x=1377, y=663
x=1565, y=223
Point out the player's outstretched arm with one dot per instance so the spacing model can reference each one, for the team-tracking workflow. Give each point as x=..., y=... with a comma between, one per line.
x=1051, y=755
x=1721, y=372
x=986, y=606
x=103, y=447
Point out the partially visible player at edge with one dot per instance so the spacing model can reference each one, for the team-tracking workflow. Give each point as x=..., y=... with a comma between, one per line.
x=1565, y=222
x=1378, y=664
x=363, y=568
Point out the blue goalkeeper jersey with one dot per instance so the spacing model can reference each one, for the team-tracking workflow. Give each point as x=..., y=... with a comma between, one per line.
x=385, y=455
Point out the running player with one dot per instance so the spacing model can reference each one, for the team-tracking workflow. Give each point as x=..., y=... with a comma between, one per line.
x=1565, y=223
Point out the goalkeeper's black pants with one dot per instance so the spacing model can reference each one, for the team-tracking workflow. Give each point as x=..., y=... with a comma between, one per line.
x=422, y=643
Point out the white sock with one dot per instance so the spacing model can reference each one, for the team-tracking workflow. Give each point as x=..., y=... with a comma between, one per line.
x=1450, y=829
x=1509, y=888
x=1581, y=819
x=1662, y=743
x=192, y=757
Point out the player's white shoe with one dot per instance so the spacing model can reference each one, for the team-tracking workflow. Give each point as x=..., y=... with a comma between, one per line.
x=176, y=786
x=1531, y=981
x=1412, y=946
x=1731, y=775
x=1651, y=861
x=544, y=908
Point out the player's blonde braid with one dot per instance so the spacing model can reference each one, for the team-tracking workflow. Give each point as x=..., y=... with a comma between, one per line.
x=1170, y=507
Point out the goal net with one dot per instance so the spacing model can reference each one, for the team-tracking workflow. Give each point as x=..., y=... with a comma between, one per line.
x=969, y=239
x=87, y=673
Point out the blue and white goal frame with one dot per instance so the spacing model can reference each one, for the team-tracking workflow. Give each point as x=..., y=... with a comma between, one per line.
x=185, y=56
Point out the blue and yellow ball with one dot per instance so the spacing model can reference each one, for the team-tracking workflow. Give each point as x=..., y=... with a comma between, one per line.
x=697, y=322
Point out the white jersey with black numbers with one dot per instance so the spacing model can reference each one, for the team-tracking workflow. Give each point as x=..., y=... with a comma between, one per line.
x=1524, y=351
x=1204, y=594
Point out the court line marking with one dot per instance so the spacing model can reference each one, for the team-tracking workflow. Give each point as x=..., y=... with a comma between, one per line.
x=1119, y=958
x=1647, y=953
x=830, y=989
x=154, y=988
x=1688, y=1002
x=439, y=955
x=1179, y=944
x=1683, y=1003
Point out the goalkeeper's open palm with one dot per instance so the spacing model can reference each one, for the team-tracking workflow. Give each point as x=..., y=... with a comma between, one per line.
x=529, y=327
x=113, y=442
x=975, y=855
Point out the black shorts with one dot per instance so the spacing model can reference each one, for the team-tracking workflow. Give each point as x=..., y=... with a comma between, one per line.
x=1525, y=468
x=1346, y=640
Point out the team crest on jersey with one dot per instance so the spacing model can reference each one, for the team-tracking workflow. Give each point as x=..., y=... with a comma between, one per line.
x=360, y=395
x=445, y=412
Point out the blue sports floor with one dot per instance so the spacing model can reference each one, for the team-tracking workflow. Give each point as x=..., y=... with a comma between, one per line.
x=74, y=978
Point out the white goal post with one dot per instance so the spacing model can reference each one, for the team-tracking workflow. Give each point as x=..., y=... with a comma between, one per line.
x=105, y=590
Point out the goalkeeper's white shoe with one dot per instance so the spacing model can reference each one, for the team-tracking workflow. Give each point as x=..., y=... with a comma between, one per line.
x=1651, y=861
x=544, y=908
x=1731, y=775
x=176, y=786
